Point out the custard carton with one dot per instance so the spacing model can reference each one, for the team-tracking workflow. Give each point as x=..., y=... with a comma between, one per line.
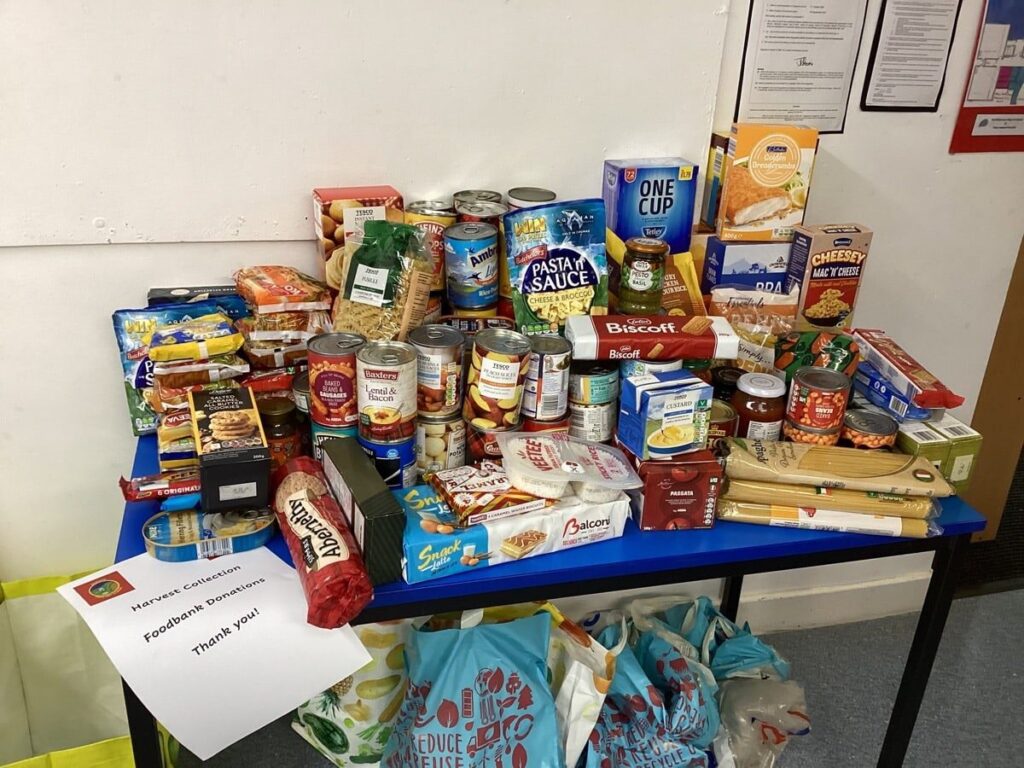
x=662, y=415
x=765, y=181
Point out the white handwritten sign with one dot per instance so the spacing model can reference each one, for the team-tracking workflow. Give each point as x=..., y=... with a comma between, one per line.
x=216, y=649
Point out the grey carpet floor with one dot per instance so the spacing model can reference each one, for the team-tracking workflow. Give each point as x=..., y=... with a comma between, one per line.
x=970, y=716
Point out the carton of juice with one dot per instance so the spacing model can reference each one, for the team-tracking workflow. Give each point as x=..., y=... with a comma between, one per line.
x=765, y=181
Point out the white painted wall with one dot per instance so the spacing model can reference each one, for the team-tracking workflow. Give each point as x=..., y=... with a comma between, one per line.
x=188, y=136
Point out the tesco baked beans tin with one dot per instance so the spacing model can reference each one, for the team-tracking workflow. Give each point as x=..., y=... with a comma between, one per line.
x=395, y=461
x=817, y=398
x=546, y=389
x=801, y=433
x=592, y=422
x=868, y=429
x=321, y=434
x=332, y=378
x=593, y=383
x=497, y=374
x=432, y=218
x=439, y=350
x=465, y=196
x=386, y=390
x=471, y=263
x=483, y=443
x=629, y=368
x=440, y=444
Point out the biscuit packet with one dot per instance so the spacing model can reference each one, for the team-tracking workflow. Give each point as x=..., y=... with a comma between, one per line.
x=385, y=282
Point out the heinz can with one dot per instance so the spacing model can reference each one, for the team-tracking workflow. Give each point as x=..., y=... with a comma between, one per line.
x=482, y=443
x=439, y=352
x=817, y=398
x=386, y=390
x=476, y=196
x=440, y=444
x=593, y=383
x=546, y=389
x=497, y=373
x=471, y=263
x=321, y=434
x=332, y=378
x=434, y=310
x=395, y=461
x=432, y=218
x=528, y=197
x=592, y=422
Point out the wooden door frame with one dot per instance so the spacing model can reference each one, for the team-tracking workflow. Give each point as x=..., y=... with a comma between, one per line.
x=999, y=414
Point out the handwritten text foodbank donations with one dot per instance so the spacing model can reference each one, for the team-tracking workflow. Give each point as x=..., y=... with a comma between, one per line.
x=188, y=613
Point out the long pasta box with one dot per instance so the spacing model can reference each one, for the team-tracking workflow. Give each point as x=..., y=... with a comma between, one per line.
x=433, y=547
x=766, y=178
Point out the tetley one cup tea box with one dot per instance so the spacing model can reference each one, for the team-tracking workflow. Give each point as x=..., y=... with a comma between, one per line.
x=651, y=198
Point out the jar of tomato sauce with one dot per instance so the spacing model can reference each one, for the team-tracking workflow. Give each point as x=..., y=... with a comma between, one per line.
x=760, y=403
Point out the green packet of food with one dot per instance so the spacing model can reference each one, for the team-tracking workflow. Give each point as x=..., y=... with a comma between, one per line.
x=378, y=261
x=837, y=351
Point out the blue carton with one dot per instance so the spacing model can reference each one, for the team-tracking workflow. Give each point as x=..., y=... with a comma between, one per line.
x=751, y=265
x=664, y=414
x=651, y=198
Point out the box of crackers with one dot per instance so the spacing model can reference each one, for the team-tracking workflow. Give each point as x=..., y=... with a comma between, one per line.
x=434, y=546
x=234, y=460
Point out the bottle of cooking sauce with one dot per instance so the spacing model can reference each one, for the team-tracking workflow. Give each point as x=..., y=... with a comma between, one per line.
x=643, y=276
x=760, y=403
x=281, y=428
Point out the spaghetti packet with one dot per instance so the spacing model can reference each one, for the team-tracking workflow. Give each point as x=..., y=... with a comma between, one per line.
x=856, y=502
x=812, y=519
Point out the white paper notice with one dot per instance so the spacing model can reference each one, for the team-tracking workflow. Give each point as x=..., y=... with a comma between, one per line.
x=215, y=649
x=799, y=61
x=909, y=60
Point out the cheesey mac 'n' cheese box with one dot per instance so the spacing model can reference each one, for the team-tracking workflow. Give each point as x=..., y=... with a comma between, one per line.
x=826, y=264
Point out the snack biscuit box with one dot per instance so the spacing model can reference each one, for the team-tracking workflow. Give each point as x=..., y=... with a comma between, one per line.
x=826, y=265
x=713, y=178
x=651, y=197
x=763, y=266
x=434, y=546
x=765, y=181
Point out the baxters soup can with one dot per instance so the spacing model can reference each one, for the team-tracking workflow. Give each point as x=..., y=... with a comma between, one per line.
x=386, y=390
x=471, y=263
x=432, y=218
x=332, y=378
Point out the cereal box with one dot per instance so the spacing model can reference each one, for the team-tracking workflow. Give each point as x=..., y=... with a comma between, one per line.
x=651, y=198
x=762, y=266
x=765, y=181
x=556, y=263
x=339, y=212
x=826, y=265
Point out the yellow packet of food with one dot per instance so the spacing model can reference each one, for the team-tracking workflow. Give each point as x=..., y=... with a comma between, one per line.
x=197, y=339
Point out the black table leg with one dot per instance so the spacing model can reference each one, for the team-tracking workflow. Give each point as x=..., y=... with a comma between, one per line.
x=927, y=636
x=731, y=588
x=142, y=727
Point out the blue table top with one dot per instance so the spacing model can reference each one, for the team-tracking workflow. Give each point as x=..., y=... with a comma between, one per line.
x=636, y=552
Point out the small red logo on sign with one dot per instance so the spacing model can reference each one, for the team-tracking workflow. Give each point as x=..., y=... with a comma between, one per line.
x=104, y=587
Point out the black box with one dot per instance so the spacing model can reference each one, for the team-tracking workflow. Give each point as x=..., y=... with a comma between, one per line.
x=234, y=460
x=376, y=518
x=188, y=294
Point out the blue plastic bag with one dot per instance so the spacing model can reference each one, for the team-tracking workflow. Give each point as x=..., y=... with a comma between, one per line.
x=478, y=697
x=638, y=726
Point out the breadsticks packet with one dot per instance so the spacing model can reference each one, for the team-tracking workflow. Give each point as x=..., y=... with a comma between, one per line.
x=546, y=463
x=385, y=282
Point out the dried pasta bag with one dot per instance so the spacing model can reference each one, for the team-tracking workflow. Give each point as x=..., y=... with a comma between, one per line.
x=198, y=339
x=811, y=519
x=385, y=282
x=858, y=502
x=838, y=352
x=478, y=696
x=832, y=467
x=350, y=722
x=638, y=725
x=323, y=549
x=272, y=289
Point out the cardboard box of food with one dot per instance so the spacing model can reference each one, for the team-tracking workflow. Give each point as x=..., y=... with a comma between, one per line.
x=713, y=178
x=340, y=212
x=751, y=265
x=434, y=547
x=662, y=415
x=234, y=459
x=651, y=197
x=916, y=438
x=765, y=181
x=964, y=447
x=372, y=512
x=826, y=265
x=678, y=494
